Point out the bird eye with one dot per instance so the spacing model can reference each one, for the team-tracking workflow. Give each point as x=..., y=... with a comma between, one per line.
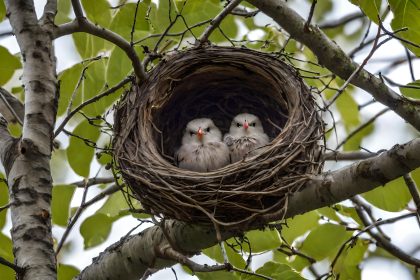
x=238, y=125
x=252, y=124
x=208, y=129
x=192, y=133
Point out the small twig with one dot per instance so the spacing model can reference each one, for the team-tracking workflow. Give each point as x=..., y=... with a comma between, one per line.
x=7, y=33
x=337, y=156
x=133, y=27
x=217, y=20
x=392, y=34
x=92, y=100
x=391, y=82
x=364, y=125
x=73, y=95
x=311, y=14
x=342, y=21
x=8, y=98
x=410, y=64
x=17, y=269
x=414, y=193
x=360, y=67
x=294, y=252
x=244, y=13
x=93, y=181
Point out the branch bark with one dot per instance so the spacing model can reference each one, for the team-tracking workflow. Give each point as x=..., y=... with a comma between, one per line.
x=28, y=170
x=131, y=257
x=332, y=57
x=10, y=107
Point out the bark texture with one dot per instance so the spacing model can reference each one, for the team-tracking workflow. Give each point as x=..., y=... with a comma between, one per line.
x=131, y=257
x=28, y=174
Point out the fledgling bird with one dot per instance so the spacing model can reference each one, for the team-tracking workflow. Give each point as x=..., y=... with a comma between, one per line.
x=202, y=148
x=246, y=134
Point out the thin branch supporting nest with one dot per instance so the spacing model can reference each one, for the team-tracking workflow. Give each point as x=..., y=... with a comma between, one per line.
x=218, y=82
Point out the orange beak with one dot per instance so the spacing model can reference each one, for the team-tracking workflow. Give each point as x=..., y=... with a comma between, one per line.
x=246, y=125
x=200, y=134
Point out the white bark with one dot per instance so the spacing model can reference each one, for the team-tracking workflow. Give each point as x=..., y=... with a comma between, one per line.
x=130, y=258
x=29, y=176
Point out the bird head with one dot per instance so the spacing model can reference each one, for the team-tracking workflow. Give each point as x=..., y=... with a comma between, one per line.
x=201, y=131
x=245, y=125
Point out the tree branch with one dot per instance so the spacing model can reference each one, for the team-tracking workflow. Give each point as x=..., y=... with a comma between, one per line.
x=217, y=20
x=342, y=21
x=332, y=56
x=81, y=24
x=326, y=189
x=11, y=108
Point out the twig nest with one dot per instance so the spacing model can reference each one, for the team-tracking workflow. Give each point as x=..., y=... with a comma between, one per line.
x=218, y=83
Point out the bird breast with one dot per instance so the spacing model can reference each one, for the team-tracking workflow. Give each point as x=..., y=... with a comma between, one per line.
x=245, y=146
x=203, y=158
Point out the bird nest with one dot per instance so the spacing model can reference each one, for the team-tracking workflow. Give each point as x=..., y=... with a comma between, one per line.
x=218, y=83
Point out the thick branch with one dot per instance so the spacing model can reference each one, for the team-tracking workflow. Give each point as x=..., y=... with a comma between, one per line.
x=7, y=155
x=131, y=257
x=81, y=24
x=332, y=56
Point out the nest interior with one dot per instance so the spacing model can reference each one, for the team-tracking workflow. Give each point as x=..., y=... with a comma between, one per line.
x=219, y=83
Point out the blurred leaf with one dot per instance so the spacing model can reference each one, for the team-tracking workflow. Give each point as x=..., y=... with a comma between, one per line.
x=347, y=265
x=63, y=12
x=372, y=9
x=4, y=199
x=9, y=64
x=322, y=9
x=324, y=241
x=276, y=271
x=354, y=143
x=68, y=80
x=119, y=66
x=95, y=229
x=412, y=92
x=113, y=205
x=229, y=29
x=261, y=241
x=393, y=197
x=6, y=253
x=299, y=225
x=2, y=10
x=67, y=272
x=296, y=262
x=79, y=153
x=215, y=253
x=15, y=129
x=89, y=46
x=162, y=15
x=219, y=275
x=97, y=11
x=60, y=205
x=349, y=212
x=407, y=14
x=122, y=22
x=349, y=110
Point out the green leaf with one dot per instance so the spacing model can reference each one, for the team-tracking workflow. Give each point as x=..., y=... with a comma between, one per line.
x=372, y=9
x=122, y=22
x=412, y=92
x=66, y=272
x=4, y=199
x=63, y=12
x=2, y=10
x=60, y=205
x=393, y=197
x=9, y=64
x=113, y=206
x=354, y=143
x=6, y=253
x=68, y=80
x=98, y=11
x=407, y=15
x=219, y=275
x=119, y=66
x=216, y=254
x=89, y=46
x=349, y=110
x=15, y=129
x=347, y=265
x=324, y=241
x=299, y=225
x=79, y=153
x=95, y=229
x=262, y=240
x=276, y=271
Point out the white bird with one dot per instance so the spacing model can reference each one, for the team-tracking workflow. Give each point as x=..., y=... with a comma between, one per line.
x=246, y=134
x=202, y=147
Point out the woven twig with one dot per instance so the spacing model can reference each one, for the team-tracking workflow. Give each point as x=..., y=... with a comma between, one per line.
x=218, y=82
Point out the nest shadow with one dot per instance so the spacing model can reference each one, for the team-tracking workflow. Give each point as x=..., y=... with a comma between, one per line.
x=218, y=83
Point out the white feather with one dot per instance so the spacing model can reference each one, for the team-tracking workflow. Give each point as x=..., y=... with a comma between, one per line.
x=205, y=154
x=243, y=141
